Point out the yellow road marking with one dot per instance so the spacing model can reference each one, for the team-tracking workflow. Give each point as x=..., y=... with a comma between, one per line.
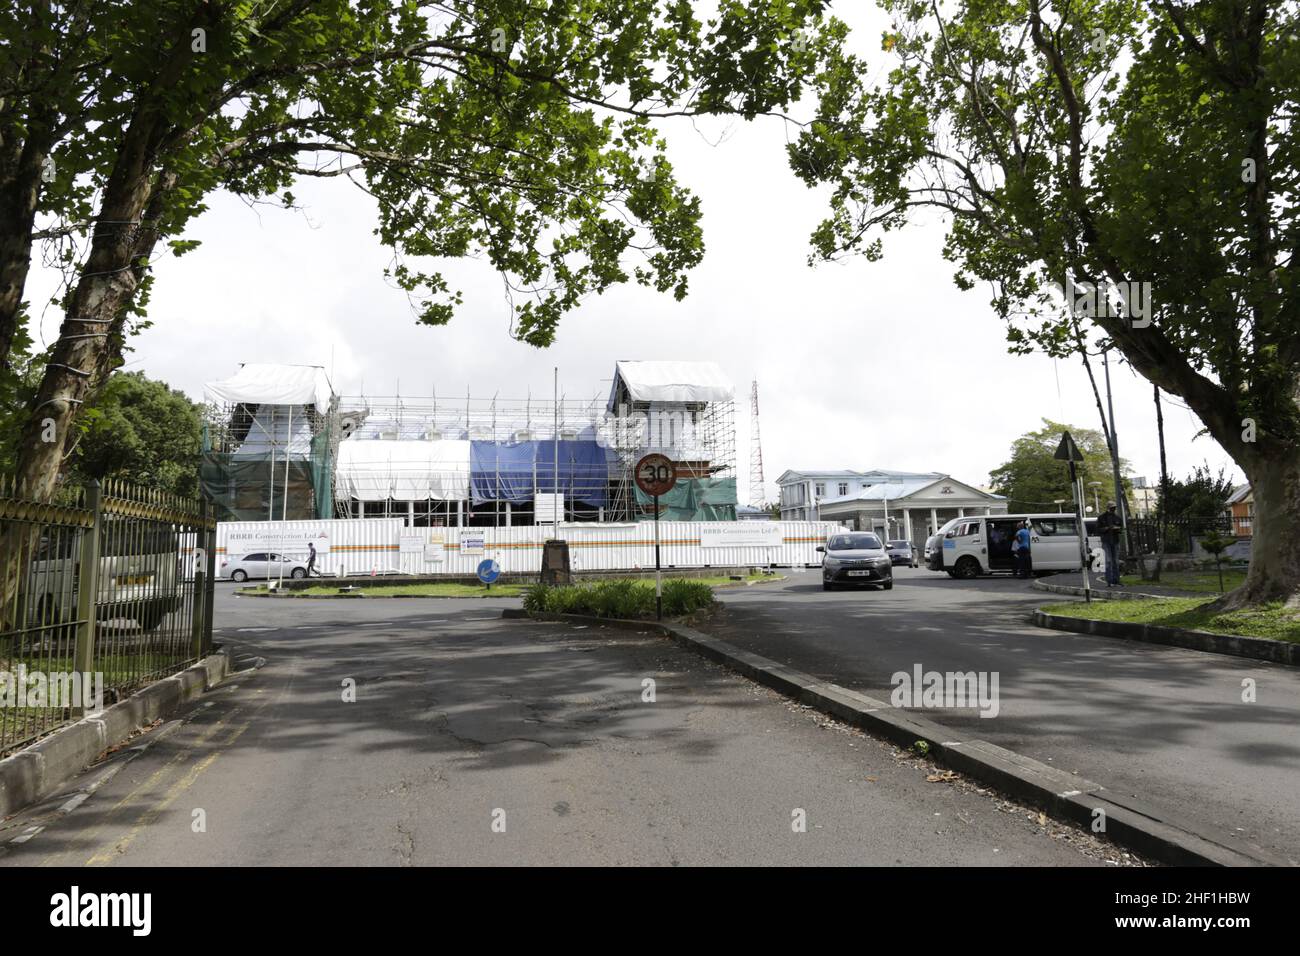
x=153, y=813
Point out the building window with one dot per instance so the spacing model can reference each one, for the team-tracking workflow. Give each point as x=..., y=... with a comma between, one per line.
x=844, y=488
x=819, y=489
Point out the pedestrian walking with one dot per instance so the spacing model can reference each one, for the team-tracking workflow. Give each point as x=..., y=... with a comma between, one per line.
x=1108, y=529
x=311, y=558
x=1021, y=547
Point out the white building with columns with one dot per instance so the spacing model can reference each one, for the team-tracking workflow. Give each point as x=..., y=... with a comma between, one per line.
x=894, y=504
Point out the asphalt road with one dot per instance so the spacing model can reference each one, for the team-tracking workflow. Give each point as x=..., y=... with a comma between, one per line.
x=460, y=715
x=1164, y=725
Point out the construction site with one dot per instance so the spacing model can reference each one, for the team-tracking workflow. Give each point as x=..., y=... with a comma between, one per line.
x=280, y=445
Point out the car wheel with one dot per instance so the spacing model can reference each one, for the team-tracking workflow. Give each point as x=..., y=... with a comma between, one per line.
x=966, y=568
x=299, y=572
x=889, y=585
x=826, y=586
x=238, y=575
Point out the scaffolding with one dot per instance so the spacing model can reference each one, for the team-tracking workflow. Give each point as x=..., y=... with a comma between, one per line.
x=279, y=445
x=268, y=451
x=499, y=462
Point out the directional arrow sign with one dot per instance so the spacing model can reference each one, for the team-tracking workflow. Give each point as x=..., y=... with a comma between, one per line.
x=1068, y=450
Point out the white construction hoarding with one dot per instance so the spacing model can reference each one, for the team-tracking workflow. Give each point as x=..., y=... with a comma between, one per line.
x=386, y=545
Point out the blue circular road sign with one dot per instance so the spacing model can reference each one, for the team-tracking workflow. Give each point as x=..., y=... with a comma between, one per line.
x=488, y=571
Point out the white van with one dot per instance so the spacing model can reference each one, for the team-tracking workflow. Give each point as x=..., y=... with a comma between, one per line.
x=139, y=576
x=981, y=544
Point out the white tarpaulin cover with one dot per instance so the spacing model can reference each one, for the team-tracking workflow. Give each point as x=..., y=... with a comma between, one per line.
x=276, y=431
x=375, y=469
x=672, y=382
x=276, y=385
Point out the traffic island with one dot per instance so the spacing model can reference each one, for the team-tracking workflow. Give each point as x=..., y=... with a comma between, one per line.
x=1063, y=795
x=1182, y=622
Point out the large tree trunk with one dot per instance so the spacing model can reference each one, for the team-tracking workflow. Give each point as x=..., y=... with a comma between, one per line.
x=1274, y=573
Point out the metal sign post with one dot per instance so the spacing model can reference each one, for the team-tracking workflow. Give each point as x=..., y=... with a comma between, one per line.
x=656, y=475
x=1069, y=452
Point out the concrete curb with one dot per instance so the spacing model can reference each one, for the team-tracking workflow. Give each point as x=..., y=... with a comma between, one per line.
x=1254, y=648
x=38, y=771
x=1098, y=594
x=1061, y=794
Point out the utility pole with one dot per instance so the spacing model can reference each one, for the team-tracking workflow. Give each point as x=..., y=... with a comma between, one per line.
x=757, y=493
x=1120, y=501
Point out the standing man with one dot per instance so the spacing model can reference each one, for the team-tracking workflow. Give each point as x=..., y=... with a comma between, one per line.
x=1024, y=561
x=311, y=558
x=1108, y=529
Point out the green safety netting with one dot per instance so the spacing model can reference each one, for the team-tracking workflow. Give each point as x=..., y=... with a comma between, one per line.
x=253, y=489
x=695, y=499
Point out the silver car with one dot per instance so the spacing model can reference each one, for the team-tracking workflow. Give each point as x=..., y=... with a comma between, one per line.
x=263, y=564
x=854, y=559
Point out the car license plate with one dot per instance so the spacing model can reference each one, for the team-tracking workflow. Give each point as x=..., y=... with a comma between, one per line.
x=859, y=574
x=131, y=580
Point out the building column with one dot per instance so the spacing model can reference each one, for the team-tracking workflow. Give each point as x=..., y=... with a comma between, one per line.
x=507, y=514
x=961, y=512
x=934, y=521
x=460, y=513
x=907, y=524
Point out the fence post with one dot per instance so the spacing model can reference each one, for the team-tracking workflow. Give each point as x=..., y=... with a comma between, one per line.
x=199, y=610
x=83, y=654
x=210, y=586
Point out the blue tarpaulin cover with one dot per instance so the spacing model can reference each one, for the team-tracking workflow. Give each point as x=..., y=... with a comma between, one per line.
x=516, y=471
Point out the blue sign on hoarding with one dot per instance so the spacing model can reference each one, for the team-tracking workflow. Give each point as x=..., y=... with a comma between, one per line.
x=488, y=571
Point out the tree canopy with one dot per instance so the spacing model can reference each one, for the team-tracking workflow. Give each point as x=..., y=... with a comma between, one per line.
x=1033, y=480
x=1119, y=172
x=520, y=133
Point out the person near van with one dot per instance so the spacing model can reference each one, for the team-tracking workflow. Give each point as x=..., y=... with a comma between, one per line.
x=1108, y=529
x=311, y=558
x=1021, y=544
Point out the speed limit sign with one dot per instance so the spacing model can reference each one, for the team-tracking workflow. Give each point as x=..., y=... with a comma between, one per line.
x=656, y=475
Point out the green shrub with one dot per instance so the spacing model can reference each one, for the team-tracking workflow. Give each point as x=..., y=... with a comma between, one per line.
x=683, y=597
x=535, y=598
x=621, y=598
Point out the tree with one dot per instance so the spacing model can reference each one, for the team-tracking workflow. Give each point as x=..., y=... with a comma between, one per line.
x=1124, y=167
x=1203, y=496
x=1033, y=480
x=519, y=132
x=143, y=431
x=137, y=429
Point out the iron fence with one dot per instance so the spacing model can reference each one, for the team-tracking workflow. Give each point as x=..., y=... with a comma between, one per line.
x=105, y=589
x=1144, y=534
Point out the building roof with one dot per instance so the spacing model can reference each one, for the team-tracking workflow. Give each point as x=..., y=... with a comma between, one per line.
x=672, y=382
x=876, y=474
x=1239, y=495
x=911, y=486
x=266, y=384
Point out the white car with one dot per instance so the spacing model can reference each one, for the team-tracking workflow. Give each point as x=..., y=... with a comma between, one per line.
x=263, y=564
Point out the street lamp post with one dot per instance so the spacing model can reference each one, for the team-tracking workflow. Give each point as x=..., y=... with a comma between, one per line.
x=1096, y=504
x=1059, y=502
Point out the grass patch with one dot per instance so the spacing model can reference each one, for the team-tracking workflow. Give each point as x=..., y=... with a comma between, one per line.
x=1271, y=621
x=621, y=598
x=1195, y=582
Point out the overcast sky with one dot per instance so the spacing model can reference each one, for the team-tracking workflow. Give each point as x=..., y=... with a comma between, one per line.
x=859, y=365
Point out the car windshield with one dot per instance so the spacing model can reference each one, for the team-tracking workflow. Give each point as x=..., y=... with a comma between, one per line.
x=899, y=544
x=853, y=542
